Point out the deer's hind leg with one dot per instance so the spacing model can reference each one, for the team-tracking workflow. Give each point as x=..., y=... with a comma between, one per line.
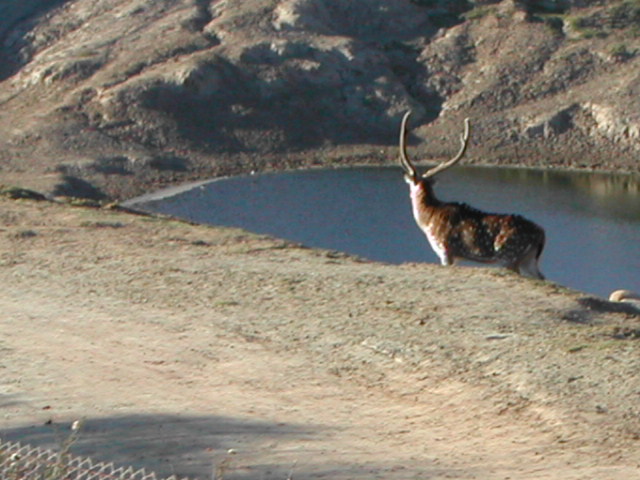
x=528, y=264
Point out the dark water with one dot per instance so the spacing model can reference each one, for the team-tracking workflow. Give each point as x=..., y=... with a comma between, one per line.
x=592, y=221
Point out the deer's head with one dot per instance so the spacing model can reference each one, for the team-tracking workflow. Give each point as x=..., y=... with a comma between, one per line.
x=411, y=175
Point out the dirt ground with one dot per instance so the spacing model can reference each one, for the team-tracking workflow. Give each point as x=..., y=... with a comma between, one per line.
x=176, y=343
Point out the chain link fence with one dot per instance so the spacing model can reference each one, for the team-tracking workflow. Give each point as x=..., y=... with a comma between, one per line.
x=23, y=462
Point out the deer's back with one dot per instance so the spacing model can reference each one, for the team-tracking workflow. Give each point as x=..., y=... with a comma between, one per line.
x=477, y=235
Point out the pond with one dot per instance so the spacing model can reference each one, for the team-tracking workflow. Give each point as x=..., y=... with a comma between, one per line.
x=592, y=220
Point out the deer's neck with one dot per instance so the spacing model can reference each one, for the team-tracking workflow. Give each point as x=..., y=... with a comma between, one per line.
x=424, y=202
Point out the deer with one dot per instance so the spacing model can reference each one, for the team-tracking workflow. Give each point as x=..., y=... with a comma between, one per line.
x=457, y=231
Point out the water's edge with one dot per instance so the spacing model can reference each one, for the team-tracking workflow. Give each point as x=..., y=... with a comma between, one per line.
x=592, y=219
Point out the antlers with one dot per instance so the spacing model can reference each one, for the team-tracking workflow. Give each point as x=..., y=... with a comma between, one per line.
x=408, y=167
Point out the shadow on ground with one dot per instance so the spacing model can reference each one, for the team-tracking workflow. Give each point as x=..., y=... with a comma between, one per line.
x=589, y=309
x=164, y=444
x=197, y=447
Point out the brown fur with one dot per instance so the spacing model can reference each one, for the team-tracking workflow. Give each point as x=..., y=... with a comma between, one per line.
x=463, y=232
x=458, y=231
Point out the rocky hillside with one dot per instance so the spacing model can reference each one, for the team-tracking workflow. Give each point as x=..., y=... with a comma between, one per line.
x=106, y=98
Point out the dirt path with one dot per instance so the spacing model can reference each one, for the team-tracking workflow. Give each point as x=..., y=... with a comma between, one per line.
x=177, y=343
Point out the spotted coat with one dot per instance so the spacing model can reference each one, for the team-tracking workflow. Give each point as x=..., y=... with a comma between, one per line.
x=459, y=231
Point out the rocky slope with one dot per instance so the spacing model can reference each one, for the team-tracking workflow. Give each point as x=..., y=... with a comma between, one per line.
x=109, y=98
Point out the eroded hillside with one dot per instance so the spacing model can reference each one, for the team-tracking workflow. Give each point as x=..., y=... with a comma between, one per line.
x=108, y=98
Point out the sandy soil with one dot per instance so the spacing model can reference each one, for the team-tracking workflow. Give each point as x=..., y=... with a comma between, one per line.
x=176, y=343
